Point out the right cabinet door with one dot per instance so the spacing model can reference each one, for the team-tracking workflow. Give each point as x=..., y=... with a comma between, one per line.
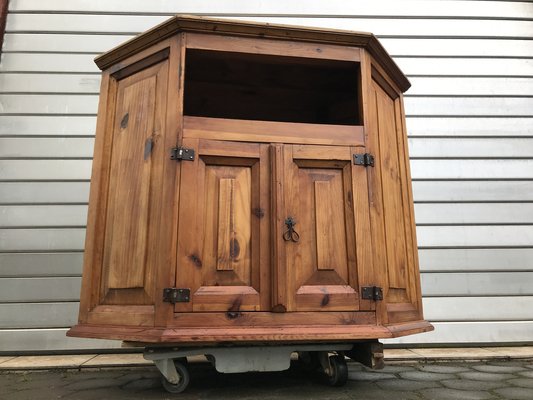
x=391, y=207
x=326, y=196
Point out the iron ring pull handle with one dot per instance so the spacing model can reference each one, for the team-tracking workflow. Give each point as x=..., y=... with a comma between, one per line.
x=290, y=234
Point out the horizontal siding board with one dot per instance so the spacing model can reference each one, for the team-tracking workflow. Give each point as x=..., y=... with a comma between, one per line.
x=470, y=333
x=474, y=213
x=454, y=127
x=33, y=240
x=49, y=83
x=469, y=106
x=28, y=265
x=470, y=86
x=52, y=339
x=472, y=169
x=37, y=216
x=515, y=308
x=83, y=63
x=43, y=192
x=87, y=23
x=465, y=66
x=88, y=104
x=71, y=239
x=33, y=62
x=458, y=47
x=474, y=9
x=477, y=284
x=12, y=170
x=45, y=169
x=455, y=260
x=38, y=315
x=411, y=26
x=28, y=125
x=48, y=104
x=48, y=125
x=14, y=290
x=471, y=148
x=429, y=86
x=426, y=213
x=380, y=26
x=475, y=236
x=54, y=42
x=46, y=147
x=478, y=191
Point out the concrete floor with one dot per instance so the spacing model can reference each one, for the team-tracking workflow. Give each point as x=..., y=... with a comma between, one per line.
x=421, y=380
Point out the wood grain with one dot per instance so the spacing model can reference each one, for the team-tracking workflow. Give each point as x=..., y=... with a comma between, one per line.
x=320, y=265
x=272, y=132
x=215, y=225
x=301, y=333
x=218, y=246
x=279, y=282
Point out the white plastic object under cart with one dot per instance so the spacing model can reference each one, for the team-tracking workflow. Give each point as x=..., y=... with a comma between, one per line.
x=328, y=358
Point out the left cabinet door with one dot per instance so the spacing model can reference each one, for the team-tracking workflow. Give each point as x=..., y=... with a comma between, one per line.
x=134, y=154
x=223, y=227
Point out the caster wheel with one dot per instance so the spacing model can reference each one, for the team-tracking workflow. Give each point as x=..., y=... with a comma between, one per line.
x=338, y=374
x=184, y=376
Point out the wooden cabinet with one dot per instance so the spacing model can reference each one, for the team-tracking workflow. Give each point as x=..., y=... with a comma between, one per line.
x=250, y=183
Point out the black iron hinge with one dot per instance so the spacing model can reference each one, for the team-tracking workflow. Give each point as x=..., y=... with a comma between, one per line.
x=175, y=295
x=365, y=160
x=374, y=293
x=181, y=153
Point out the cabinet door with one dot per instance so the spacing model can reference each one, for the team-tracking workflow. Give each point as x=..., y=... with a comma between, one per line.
x=223, y=230
x=327, y=195
x=391, y=211
x=133, y=160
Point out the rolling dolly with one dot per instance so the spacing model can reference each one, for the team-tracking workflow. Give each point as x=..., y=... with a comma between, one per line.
x=329, y=359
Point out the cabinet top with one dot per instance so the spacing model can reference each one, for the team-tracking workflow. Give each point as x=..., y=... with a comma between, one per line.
x=228, y=27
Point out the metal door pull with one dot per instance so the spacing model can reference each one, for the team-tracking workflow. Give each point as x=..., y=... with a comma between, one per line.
x=290, y=233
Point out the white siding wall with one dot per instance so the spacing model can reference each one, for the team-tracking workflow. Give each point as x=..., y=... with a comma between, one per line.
x=470, y=125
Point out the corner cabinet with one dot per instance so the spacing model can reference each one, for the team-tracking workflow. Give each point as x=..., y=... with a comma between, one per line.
x=250, y=184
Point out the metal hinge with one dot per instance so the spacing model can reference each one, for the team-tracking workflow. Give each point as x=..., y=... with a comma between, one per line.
x=365, y=160
x=372, y=293
x=181, y=153
x=174, y=295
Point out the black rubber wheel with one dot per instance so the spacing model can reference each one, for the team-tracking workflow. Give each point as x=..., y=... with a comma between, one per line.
x=338, y=375
x=184, y=379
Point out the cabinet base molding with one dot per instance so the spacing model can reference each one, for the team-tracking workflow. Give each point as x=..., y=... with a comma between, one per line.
x=258, y=334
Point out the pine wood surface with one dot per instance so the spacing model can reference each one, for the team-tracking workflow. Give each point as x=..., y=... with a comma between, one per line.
x=182, y=23
x=258, y=335
x=218, y=225
x=273, y=132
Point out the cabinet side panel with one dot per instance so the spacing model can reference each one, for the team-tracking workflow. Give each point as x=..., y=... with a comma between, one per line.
x=125, y=256
x=133, y=209
x=96, y=213
x=400, y=270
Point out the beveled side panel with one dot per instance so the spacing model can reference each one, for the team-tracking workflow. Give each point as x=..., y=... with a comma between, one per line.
x=125, y=248
x=128, y=272
x=390, y=211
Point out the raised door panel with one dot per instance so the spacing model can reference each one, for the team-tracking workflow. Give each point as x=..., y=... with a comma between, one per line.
x=223, y=243
x=321, y=248
x=391, y=214
x=132, y=197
